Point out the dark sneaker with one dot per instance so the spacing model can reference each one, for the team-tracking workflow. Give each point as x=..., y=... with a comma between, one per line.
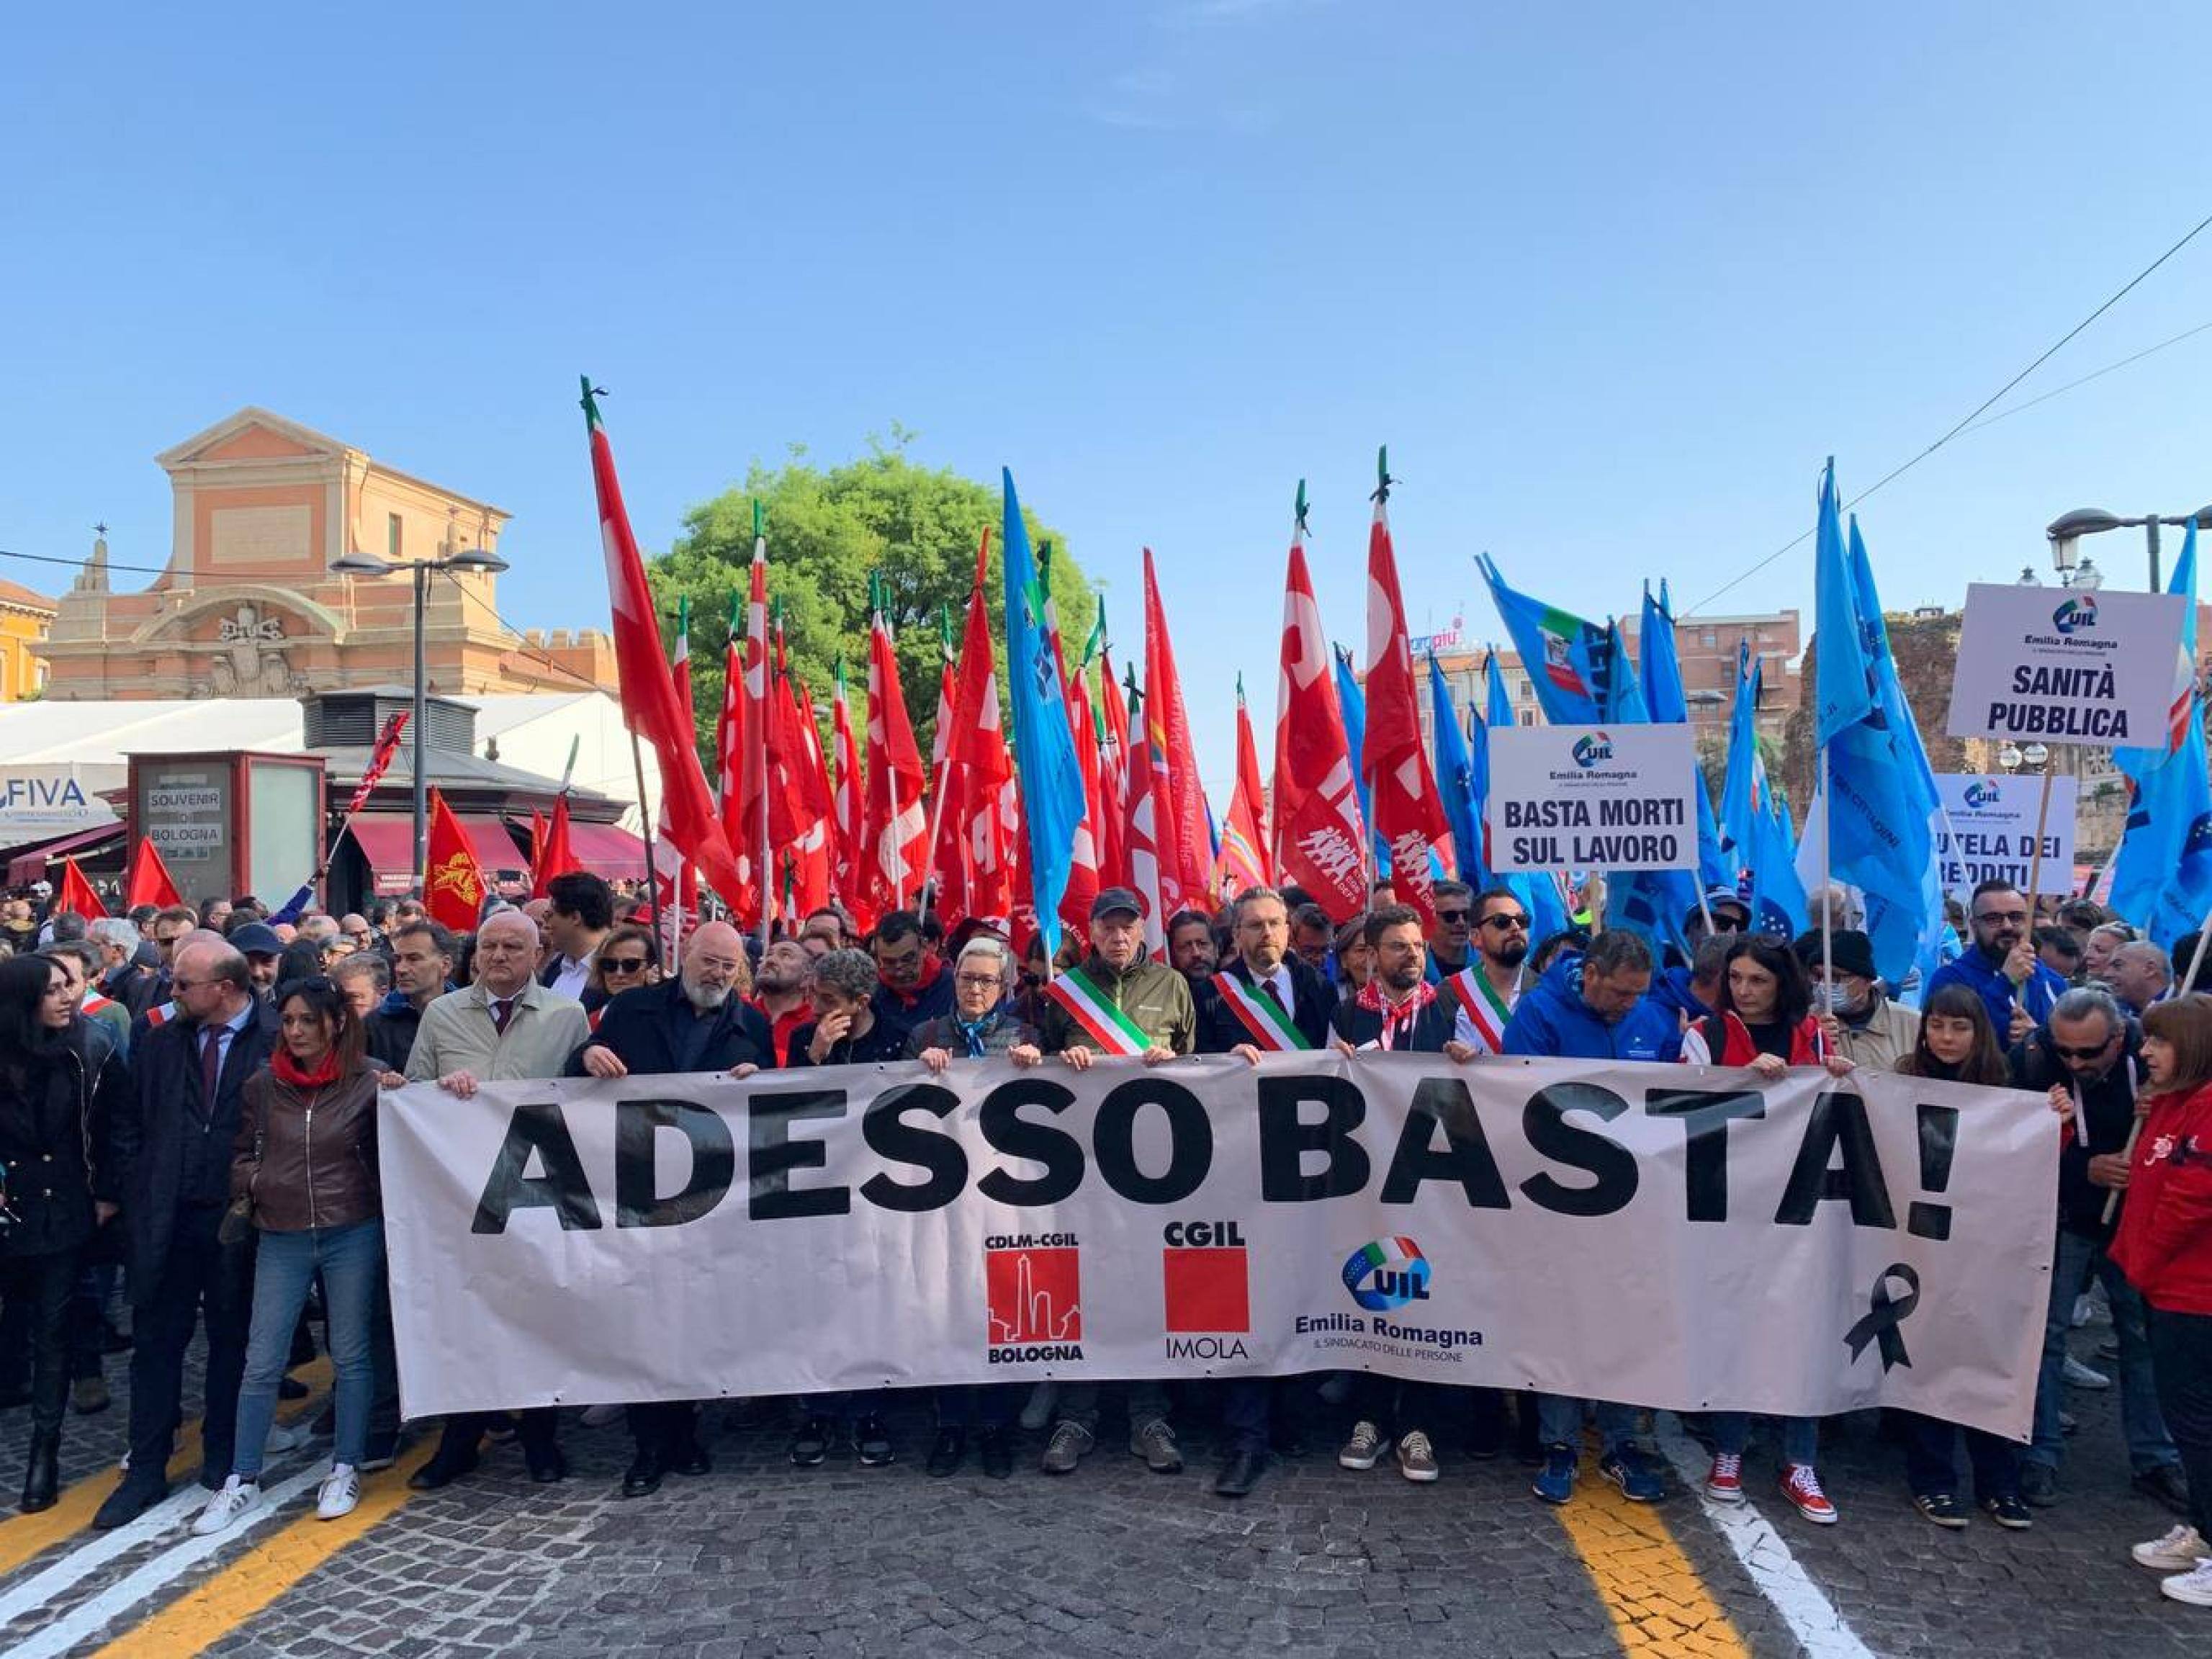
x=131, y=1500
x=1154, y=1440
x=2038, y=1485
x=1555, y=1481
x=1365, y=1449
x=873, y=1443
x=1631, y=1470
x=88, y=1395
x=2008, y=1512
x=2166, y=1483
x=946, y=1451
x=997, y=1450
x=811, y=1444
x=1070, y=1443
x=1943, y=1509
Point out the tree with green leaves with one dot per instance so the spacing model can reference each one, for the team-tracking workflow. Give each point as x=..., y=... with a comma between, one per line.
x=828, y=531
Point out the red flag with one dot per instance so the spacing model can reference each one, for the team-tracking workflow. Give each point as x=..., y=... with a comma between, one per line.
x=1317, y=828
x=984, y=802
x=554, y=855
x=680, y=895
x=456, y=893
x=729, y=730
x=948, y=846
x=1113, y=770
x=1142, y=838
x=851, y=790
x=1408, y=814
x=1185, y=845
x=1243, y=861
x=648, y=690
x=816, y=850
x=754, y=782
x=76, y=894
x=380, y=761
x=1083, y=851
x=149, y=881
x=896, y=833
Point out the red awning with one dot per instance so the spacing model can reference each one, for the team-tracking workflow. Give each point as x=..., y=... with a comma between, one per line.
x=495, y=848
x=386, y=839
x=608, y=850
x=24, y=868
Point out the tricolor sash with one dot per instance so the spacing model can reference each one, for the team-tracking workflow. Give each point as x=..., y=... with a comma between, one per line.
x=93, y=1002
x=1257, y=1013
x=1485, y=1010
x=1090, y=1007
x=160, y=1015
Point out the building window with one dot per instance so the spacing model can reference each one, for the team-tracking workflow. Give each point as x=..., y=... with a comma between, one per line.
x=1709, y=640
x=1527, y=717
x=1527, y=691
x=394, y=539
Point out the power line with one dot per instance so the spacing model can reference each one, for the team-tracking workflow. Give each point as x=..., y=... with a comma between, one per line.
x=1975, y=414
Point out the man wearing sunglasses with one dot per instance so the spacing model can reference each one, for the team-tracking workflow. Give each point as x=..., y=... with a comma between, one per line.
x=2000, y=966
x=2089, y=1056
x=1484, y=992
x=1449, y=940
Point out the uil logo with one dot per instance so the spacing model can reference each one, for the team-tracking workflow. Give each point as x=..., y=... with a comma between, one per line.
x=1387, y=1274
x=1593, y=747
x=1981, y=793
x=2074, y=614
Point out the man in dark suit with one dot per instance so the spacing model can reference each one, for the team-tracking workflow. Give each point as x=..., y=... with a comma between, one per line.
x=173, y=1142
x=697, y=1022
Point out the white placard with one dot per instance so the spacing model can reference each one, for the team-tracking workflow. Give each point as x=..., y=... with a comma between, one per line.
x=1614, y=1231
x=1593, y=798
x=2054, y=665
x=1992, y=831
x=53, y=800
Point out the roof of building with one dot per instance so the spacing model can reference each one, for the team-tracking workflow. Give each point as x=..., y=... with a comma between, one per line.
x=16, y=593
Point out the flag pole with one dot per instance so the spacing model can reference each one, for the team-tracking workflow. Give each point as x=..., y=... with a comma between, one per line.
x=2035, y=863
x=645, y=822
x=767, y=865
x=1827, y=879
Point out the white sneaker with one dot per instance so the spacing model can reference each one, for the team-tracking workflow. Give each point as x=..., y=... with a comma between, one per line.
x=2079, y=1376
x=285, y=1438
x=2194, y=1587
x=339, y=1492
x=2178, y=1552
x=230, y=1502
x=598, y=1417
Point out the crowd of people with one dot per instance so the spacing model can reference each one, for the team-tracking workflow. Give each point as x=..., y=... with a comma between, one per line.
x=188, y=1130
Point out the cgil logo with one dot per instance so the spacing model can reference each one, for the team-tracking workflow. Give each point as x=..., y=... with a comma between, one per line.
x=2078, y=612
x=1389, y=1273
x=1593, y=747
x=1982, y=793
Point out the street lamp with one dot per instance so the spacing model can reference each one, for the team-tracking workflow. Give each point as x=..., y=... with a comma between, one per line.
x=362, y=564
x=2066, y=530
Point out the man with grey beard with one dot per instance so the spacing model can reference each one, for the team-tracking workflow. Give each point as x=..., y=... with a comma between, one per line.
x=697, y=1022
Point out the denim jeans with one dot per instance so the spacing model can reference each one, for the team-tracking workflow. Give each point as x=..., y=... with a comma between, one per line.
x=1931, y=1459
x=1560, y=1421
x=1801, y=1436
x=349, y=1259
x=2071, y=1264
x=2181, y=1355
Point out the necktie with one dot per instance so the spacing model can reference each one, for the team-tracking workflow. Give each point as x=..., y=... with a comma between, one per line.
x=210, y=1065
x=502, y=1010
x=1276, y=989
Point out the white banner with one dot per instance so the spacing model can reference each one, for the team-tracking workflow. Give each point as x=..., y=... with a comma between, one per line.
x=1992, y=834
x=2053, y=664
x=1587, y=798
x=1668, y=1236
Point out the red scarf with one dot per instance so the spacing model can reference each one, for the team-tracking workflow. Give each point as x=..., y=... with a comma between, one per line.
x=287, y=1069
x=1398, y=1018
x=932, y=966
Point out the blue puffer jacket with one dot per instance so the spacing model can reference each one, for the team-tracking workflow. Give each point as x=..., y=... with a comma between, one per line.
x=1671, y=991
x=1554, y=1020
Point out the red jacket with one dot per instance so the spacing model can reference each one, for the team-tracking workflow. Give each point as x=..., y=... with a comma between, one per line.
x=2165, y=1242
x=1807, y=1046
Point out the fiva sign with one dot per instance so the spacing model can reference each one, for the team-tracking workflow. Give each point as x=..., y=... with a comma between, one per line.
x=38, y=800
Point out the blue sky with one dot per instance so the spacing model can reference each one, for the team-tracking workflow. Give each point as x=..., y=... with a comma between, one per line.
x=1610, y=280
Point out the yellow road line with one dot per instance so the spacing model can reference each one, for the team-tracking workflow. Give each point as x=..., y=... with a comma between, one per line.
x=196, y=1621
x=1659, y=1604
x=22, y=1536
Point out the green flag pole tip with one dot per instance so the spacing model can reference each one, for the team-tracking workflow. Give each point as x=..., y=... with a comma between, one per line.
x=760, y=518
x=589, y=402
x=1383, y=478
x=1299, y=510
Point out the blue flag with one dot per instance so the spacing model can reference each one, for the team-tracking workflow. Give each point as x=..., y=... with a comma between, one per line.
x=1353, y=703
x=2162, y=878
x=1567, y=659
x=1663, y=698
x=1456, y=781
x=1044, y=749
x=1754, y=837
x=1652, y=902
x=1882, y=811
x=1538, y=890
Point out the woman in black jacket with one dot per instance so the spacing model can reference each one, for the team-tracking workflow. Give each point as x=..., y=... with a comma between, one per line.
x=58, y=1098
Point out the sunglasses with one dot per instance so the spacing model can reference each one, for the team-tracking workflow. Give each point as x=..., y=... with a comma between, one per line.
x=2065, y=1051
x=1451, y=916
x=613, y=965
x=1507, y=924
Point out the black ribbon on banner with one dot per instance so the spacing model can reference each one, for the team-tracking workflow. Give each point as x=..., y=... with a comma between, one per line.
x=1885, y=1312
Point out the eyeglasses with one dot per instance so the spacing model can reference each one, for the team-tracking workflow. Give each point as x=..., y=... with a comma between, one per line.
x=1451, y=916
x=2015, y=918
x=2065, y=1051
x=613, y=965
x=978, y=982
x=1507, y=924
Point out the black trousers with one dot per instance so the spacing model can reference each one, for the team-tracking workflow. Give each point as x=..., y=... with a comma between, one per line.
x=667, y=1428
x=2181, y=1365
x=534, y=1428
x=39, y=1289
x=200, y=1276
x=1931, y=1463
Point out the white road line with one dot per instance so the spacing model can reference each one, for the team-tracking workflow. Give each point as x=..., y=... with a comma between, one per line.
x=96, y=1553
x=94, y=1614
x=1812, y=1618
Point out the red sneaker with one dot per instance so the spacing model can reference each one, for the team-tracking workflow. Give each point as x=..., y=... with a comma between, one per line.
x=1802, y=1487
x=1725, y=1480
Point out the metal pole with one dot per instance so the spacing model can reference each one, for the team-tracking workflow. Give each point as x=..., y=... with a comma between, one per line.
x=422, y=720
x=645, y=822
x=2150, y=534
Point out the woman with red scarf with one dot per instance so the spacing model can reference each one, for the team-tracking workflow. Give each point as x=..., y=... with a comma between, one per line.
x=303, y=1173
x=1764, y=1020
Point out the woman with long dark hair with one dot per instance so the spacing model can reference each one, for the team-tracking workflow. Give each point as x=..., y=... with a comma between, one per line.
x=1763, y=1020
x=303, y=1172
x=1958, y=1044
x=59, y=1098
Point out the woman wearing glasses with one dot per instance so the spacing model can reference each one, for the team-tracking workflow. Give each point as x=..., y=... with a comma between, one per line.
x=303, y=1173
x=628, y=957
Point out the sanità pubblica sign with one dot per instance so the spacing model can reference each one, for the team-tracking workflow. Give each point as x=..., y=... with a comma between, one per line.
x=2054, y=665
